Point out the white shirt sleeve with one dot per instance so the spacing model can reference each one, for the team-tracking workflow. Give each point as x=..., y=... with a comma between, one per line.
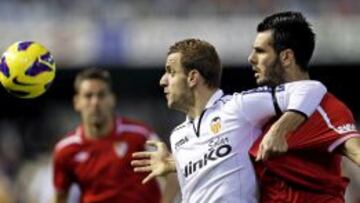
x=301, y=96
x=258, y=105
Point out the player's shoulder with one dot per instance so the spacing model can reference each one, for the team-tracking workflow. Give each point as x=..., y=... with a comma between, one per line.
x=289, y=86
x=304, y=83
x=224, y=99
x=257, y=94
x=72, y=138
x=260, y=89
x=128, y=125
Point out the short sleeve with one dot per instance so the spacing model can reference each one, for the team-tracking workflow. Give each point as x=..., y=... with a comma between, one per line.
x=302, y=96
x=329, y=127
x=261, y=104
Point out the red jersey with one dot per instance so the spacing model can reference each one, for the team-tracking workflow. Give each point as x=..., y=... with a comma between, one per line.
x=102, y=167
x=310, y=165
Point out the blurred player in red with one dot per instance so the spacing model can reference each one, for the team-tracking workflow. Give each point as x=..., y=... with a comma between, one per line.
x=97, y=154
x=310, y=171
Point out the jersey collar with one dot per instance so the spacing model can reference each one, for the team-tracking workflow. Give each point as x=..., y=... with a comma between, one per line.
x=213, y=99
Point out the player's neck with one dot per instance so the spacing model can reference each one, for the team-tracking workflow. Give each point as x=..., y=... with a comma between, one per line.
x=92, y=131
x=297, y=74
x=202, y=96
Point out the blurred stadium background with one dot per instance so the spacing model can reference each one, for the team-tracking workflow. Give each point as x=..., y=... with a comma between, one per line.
x=130, y=38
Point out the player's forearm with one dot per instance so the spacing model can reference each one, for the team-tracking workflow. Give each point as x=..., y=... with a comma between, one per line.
x=171, y=189
x=356, y=158
x=274, y=141
x=286, y=124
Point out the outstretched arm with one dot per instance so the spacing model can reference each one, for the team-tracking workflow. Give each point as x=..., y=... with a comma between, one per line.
x=157, y=163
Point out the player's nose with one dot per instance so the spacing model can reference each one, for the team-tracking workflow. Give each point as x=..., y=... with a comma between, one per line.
x=163, y=80
x=251, y=58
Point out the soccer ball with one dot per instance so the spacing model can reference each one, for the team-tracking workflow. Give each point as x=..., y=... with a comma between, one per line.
x=27, y=69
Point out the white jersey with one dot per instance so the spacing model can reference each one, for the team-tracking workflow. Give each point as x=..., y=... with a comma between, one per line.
x=211, y=151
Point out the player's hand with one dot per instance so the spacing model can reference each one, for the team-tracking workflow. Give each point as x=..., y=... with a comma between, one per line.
x=157, y=163
x=271, y=145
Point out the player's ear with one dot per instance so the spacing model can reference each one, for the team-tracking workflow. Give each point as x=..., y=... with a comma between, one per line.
x=287, y=57
x=193, y=77
x=113, y=99
x=76, y=102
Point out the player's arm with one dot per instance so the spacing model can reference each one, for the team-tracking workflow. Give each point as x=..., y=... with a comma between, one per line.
x=297, y=99
x=171, y=185
x=157, y=163
x=61, y=177
x=274, y=141
x=171, y=188
x=351, y=149
x=302, y=101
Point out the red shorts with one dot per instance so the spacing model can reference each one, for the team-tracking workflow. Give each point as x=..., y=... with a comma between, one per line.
x=277, y=191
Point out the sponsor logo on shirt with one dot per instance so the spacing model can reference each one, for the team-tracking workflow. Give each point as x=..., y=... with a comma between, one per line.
x=81, y=157
x=218, y=148
x=215, y=125
x=279, y=88
x=120, y=149
x=349, y=127
x=181, y=142
x=216, y=142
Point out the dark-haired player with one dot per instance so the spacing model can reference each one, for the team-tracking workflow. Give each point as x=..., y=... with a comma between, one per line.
x=310, y=171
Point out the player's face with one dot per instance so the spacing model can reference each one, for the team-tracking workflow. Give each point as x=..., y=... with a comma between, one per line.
x=265, y=61
x=95, y=102
x=174, y=82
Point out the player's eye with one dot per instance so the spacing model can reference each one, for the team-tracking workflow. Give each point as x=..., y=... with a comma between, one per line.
x=172, y=72
x=101, y=95
x=88, y=95
x=259, y=50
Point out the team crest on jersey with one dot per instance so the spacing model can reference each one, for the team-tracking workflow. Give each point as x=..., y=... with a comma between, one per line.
x=215, y=125
x=82, y=156
x=120, y=149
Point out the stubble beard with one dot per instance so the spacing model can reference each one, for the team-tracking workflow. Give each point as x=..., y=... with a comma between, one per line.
x=275, y=75
x=182, y=103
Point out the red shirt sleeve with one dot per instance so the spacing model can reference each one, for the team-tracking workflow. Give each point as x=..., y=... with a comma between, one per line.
x=62, y=176
x=332, y=124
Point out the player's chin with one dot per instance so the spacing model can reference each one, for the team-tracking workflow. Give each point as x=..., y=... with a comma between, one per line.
x=168, y=100
x=261, y=81
x=170, y=104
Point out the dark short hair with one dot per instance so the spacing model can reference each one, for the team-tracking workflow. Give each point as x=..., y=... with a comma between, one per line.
x=92, y=74
x=201, y=56
x=290, y=30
